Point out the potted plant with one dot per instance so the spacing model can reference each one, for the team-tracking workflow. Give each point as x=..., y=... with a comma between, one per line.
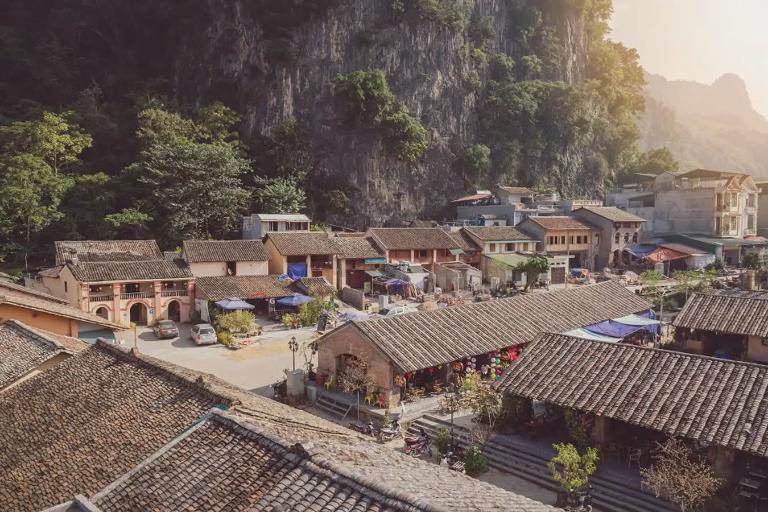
x=571, y=470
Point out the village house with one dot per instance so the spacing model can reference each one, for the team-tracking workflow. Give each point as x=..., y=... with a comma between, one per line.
x=422, y=246
x=311, y=254
x=125, y=281
x=648, y=393
x=731, y=324
x=225, y=257
x=713, y=203
x=618, y=230
x=42, y=311
x=472, y=252
x=424, y=345
x=178, y=421
x=257, y=225
x=563, y=236
x=503, y=269
x=26, y=351
x=499, y=240
x=358, y=254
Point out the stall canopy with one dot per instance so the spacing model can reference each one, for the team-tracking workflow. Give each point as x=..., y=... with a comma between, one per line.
x=588, y=335
x=640, y=250
x=294, y=300
x=233, y=304
x=624, y=326
x=665, y=254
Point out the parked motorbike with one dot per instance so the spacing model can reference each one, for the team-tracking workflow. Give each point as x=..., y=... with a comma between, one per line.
x=364, y=428
x=390, y=431
x=580, y=501
x=416, y=446
x=280, y=390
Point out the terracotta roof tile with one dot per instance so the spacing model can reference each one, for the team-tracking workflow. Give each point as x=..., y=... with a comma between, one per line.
x=557, y=223
x=422, y=340
x=197, y=251
x=612, y=213
x=129, y=270
x=315, y=243
x=517, y=190
x=497, y=233
x=314, y=286
x=242, y=287
x=466, y=242
x=413, y=238
x=736, y=312
x=23, y=349
x=107, y=250
x=358, y=247
x=696, y=397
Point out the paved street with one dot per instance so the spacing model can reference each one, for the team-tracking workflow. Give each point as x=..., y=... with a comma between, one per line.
x=255, y=367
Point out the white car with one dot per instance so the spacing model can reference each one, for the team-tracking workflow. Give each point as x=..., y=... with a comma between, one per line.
x=203, y=334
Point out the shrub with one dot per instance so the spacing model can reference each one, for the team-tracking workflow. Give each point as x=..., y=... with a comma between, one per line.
x=404, y=135
x=366, y=95
x=570, y=469
x=236, y=321
x=474, y=460
x=442, y=440
x=309, y=313
x=576, y=430
x=476, y=162
x=291, y=320
x=502, y=67
x=225, y=338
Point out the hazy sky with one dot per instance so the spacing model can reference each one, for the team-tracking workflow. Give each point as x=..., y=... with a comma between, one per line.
x=699, y=39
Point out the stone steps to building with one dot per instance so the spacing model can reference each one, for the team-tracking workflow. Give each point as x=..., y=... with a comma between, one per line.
x=333, y=407
x=610, y=493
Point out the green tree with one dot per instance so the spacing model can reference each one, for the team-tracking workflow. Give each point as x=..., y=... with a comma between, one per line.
x=219, y=123
x=236, y=322
x=128, y=223
x=280, y=195
x=366, y=95
x=160, y=126
x=532, y=267
x=404, y=135
x=195, y=188
x=53, y=138
x=571, y=469
x=30, y=195
x=476, y=162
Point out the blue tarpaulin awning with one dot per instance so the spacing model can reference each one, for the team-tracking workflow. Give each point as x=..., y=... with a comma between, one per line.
x=297, y=270
x=294, y=300
x=640, y=250
x=587, y=335
x=375, y=261
x=624, y=326
x=233, y=304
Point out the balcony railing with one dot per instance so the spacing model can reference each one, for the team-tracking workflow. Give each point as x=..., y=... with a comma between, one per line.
x=101, y=297
x=173, y=293
x=137, y=295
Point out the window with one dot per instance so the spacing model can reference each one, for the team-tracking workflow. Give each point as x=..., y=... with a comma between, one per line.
x=65, y=287
x=634, y=237
x=422, y=254
x=570, y=239
x=231, y=268
x=273, y=225
x=751, y=222
x=616, y=238
x=562, y=240
x=510, y=248
x=626, y=238
x=491, y=247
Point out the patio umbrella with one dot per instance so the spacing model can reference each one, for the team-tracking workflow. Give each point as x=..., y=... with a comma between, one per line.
x=233, y=304
x=294, y=300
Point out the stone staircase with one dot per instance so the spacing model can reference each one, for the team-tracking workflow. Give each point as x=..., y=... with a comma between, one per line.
x=612, y=491
x=335, y=408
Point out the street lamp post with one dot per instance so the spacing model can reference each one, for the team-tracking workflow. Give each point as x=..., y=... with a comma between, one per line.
x=294, y=346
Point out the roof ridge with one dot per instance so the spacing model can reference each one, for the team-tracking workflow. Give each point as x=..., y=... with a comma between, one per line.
x=627, y=347
x=315, y=461
x=21, y=327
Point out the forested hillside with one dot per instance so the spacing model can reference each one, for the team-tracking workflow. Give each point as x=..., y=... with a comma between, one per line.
x=171, y=118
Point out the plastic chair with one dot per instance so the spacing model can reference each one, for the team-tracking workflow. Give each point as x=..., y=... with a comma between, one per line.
x=328, y=382
x=634, y=456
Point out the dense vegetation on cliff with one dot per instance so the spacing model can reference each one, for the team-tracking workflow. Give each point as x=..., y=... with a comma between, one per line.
x=170, y=119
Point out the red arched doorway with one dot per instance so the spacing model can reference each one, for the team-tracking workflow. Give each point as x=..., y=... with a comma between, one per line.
x=138, y=314
x=174, y=311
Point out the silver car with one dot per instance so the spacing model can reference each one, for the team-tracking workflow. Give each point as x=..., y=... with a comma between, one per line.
x=203, y=334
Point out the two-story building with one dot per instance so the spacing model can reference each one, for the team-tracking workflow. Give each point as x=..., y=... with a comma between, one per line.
x=207, y=258
x=563, y=236
x=712, y=203
x=618, y=230
x=357, y=255
x=423, y=246
x=298, y=254
x=121, y=280
x=499, y=240
x=257, y=225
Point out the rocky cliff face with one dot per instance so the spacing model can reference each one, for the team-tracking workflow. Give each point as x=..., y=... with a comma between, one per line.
x=231, y=55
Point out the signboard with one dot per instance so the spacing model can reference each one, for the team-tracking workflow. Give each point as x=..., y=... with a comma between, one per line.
x=322, y=323
x=256, y=296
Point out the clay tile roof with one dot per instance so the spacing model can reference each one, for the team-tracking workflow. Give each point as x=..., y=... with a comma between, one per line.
x=53, y=306
x=242, y=287
x=23, y=349
x=197, y=251
x=517, y=190
x=86, y=421
x=497, y=233
x=358, y=247
x=314, y=286
x=732, y=312
x=107, y=250
x=422, y=340
x=696, y=397
x=465, y=241
x=129, y=270
x=413, y=238
x=558, y=222
x=315, y=243
x=613, y=214
x=7, y=285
